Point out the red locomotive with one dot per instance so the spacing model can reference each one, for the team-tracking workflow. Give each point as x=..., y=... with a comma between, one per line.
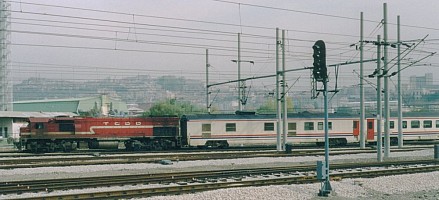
x=68, y=133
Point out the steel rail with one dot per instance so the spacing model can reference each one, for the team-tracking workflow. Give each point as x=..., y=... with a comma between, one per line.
x=199, y=187
x=200, y=176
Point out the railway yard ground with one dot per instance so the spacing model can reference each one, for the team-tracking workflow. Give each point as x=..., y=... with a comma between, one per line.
x=407, y=186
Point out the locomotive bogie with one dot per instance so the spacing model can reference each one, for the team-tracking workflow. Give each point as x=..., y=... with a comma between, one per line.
x=45, y=145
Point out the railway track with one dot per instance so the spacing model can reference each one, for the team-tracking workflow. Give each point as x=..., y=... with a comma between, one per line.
x=60, y=161
x=188, y=182
x=85, y=152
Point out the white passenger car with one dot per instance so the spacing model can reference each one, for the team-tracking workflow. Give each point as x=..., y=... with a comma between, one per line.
x=249, y=129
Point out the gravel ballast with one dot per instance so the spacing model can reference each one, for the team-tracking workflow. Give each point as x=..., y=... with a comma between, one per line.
x=414, y=186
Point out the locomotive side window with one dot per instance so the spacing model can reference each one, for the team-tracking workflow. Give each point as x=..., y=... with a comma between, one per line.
x=268, y=126
x=292, y=127
x=329, y=125
x=392, y=124
x=39, y=125
x=428, y=124
x=355, y=124
x=66, y=127
x=437, y=123
x=404, y=124
x=415, y=124
x=164, y=131
x=230, y=127
x=309, y=126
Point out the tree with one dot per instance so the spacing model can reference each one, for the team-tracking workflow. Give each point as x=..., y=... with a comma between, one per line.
x=270, y=106
x=172, y=107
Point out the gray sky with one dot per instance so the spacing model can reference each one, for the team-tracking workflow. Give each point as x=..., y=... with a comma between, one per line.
x=116, y=39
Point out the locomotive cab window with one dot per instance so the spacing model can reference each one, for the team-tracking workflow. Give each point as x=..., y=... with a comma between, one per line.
x=39, y=125
x=404, y=124
x=309, y=126
x=230, y=127
x=415, y=124
x=268, y=126
x=329, y=125
x=428, y=124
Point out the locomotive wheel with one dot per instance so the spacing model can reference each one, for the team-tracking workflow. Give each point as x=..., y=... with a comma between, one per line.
x=157, y=146
x=136, y=147
x=33, y=146
x=67, y=146
x=51, y=147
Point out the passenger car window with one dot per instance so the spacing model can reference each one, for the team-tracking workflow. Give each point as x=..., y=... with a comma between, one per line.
x=415, y=124
x=392, y=124
x=428, y=124
x=268, y=126
x=230, y=127
x=309, y=126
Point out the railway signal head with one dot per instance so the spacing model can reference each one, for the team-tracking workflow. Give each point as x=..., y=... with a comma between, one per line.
x=319, y=66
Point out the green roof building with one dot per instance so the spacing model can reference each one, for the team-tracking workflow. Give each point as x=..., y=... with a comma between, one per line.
x=99, y=105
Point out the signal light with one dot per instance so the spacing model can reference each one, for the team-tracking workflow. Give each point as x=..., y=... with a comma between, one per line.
x=319, y=66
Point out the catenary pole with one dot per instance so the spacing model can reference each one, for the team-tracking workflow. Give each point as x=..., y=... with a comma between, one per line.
x=400, y=136
x=362, y=110
x=379, y=108
x=284, y=95
x=386, y=90
x=239, y=73
x=278, y=115
x=207, y=82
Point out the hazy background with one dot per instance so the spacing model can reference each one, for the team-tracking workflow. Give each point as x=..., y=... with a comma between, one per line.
x=81, y=40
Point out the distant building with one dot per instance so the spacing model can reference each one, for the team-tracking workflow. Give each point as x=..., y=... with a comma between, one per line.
x=370, y=106
x=419, y=82
x=100, y=105
x=133, y=109
x=422, y=85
